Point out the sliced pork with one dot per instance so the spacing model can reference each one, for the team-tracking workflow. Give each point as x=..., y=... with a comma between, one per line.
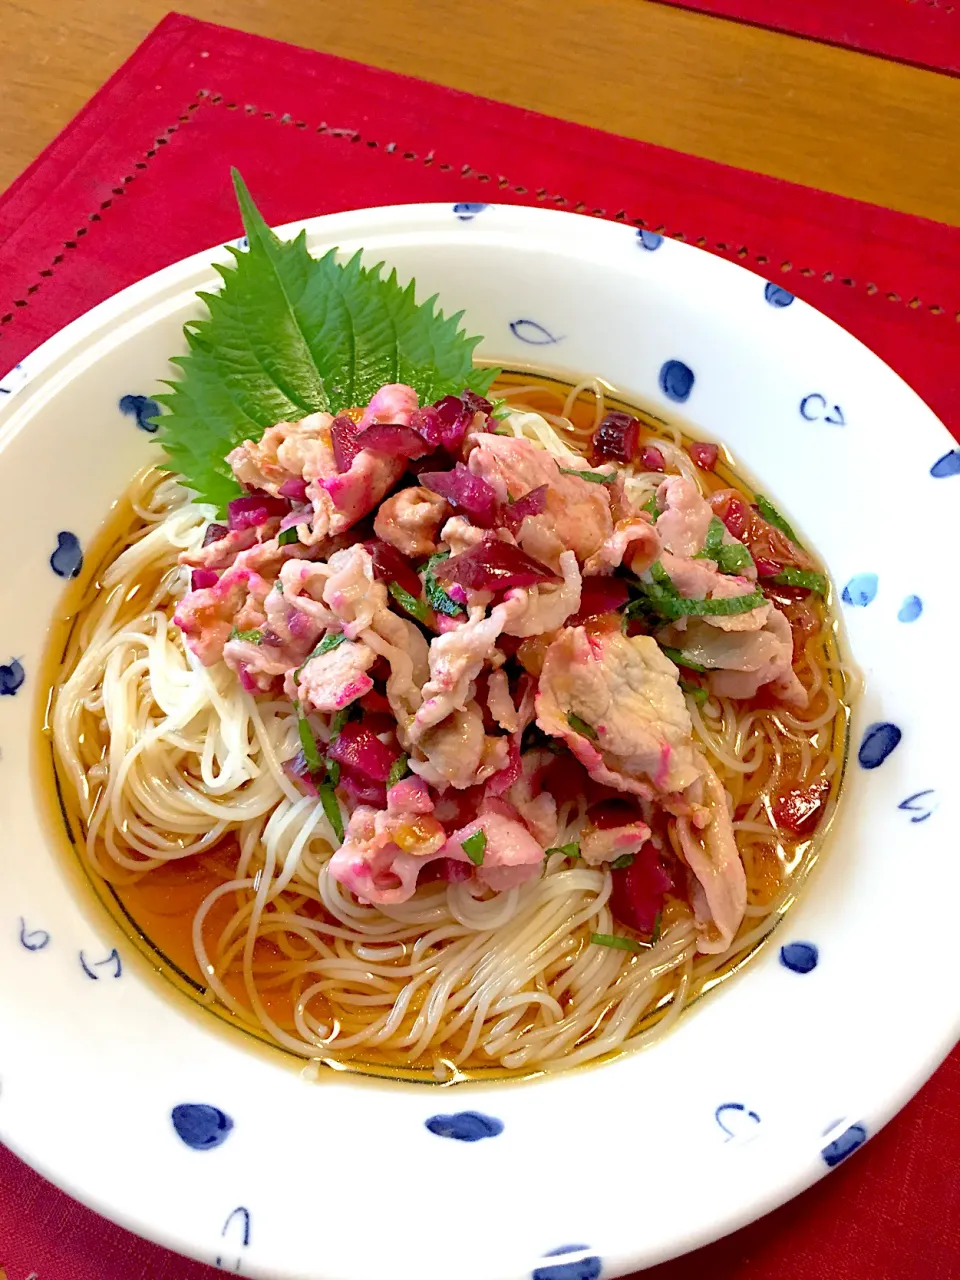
x=720, y=886
x=332, y=680
x=511, y=855
x=288, y=452
x=456, y=659
x=617, y=704
x=741, y=662
x=634, y=540
x=410, y=521
x=577, y=516
x=599, y=845
x=457, y=752
x=442, y=696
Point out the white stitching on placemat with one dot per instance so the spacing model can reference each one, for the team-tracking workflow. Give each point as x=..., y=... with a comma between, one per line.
x=208, y=97
x=467, y=171
x=97, y=216
x=935, y=4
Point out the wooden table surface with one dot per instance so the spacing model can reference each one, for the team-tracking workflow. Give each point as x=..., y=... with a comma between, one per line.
x=831, y=118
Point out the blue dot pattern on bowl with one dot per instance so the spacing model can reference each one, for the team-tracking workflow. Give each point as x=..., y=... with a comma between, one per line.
x=911, y=609
x=67, y=560
x=532, y=333
x=649, y=239
x=12, y=676
x=199, y=1126
x=143, y=409
x=861, y=590
x=465, y=1126
x=582, y=1268
x=777, y=296
x=467, y=209
x=878, y=741
x=800, y=957
x=844, y=1146
x=676, y=380
x=948, y=465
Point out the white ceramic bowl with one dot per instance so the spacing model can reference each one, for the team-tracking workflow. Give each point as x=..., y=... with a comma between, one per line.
x=763, y=1086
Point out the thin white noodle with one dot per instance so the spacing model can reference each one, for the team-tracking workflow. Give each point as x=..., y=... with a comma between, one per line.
x=166, y=757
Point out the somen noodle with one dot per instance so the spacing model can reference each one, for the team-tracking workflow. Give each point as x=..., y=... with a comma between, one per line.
x=174, y=774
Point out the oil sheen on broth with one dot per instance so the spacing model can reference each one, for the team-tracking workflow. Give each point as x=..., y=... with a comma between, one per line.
x=155, y=910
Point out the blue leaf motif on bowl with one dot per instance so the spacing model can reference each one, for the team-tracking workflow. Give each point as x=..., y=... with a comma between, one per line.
x=142, y=408
x=13, y=380
x=532, y=333
x=650, y=240
x=918, y=806
x=814, y=408
x=240, y=1234
x=776, y=295
x=844, y=1146
x=465, y=1126
x=33, y=939
x=200, y=1126
x=861, y=590
x=584, y=1267
x=911, y=609
x=12, y=676
x=800, y=957
x=736, y=1120
x=67, y=560
x=676, y=380
x=111, y=961
x=878, y=741
x=467, y=210
x=948, y=465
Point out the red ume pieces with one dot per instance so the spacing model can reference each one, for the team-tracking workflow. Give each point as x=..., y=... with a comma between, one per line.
x=140, y=179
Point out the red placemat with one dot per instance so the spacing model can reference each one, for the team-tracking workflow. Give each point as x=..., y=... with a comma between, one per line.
x=924, y=32
x=139, y=180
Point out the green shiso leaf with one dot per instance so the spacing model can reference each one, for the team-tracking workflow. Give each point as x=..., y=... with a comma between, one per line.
x=288, y=335
x=474, y=847
x=661, y=597
x=410, y=604
x=791, y=577
x=773, y=516
x=331, y=807
x=398, y=770
x=579, y=725
x=617, y=941
x=439, y=600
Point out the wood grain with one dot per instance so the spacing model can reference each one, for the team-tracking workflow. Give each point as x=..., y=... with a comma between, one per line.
x=826, y=117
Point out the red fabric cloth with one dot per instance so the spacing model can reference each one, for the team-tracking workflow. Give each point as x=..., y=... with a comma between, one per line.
x=925, y=32
x=139, y=180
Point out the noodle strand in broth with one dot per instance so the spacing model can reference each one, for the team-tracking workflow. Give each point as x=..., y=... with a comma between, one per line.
x=172, y=776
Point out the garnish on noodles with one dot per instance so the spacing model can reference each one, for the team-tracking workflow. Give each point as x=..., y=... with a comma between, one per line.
x=483, y=733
